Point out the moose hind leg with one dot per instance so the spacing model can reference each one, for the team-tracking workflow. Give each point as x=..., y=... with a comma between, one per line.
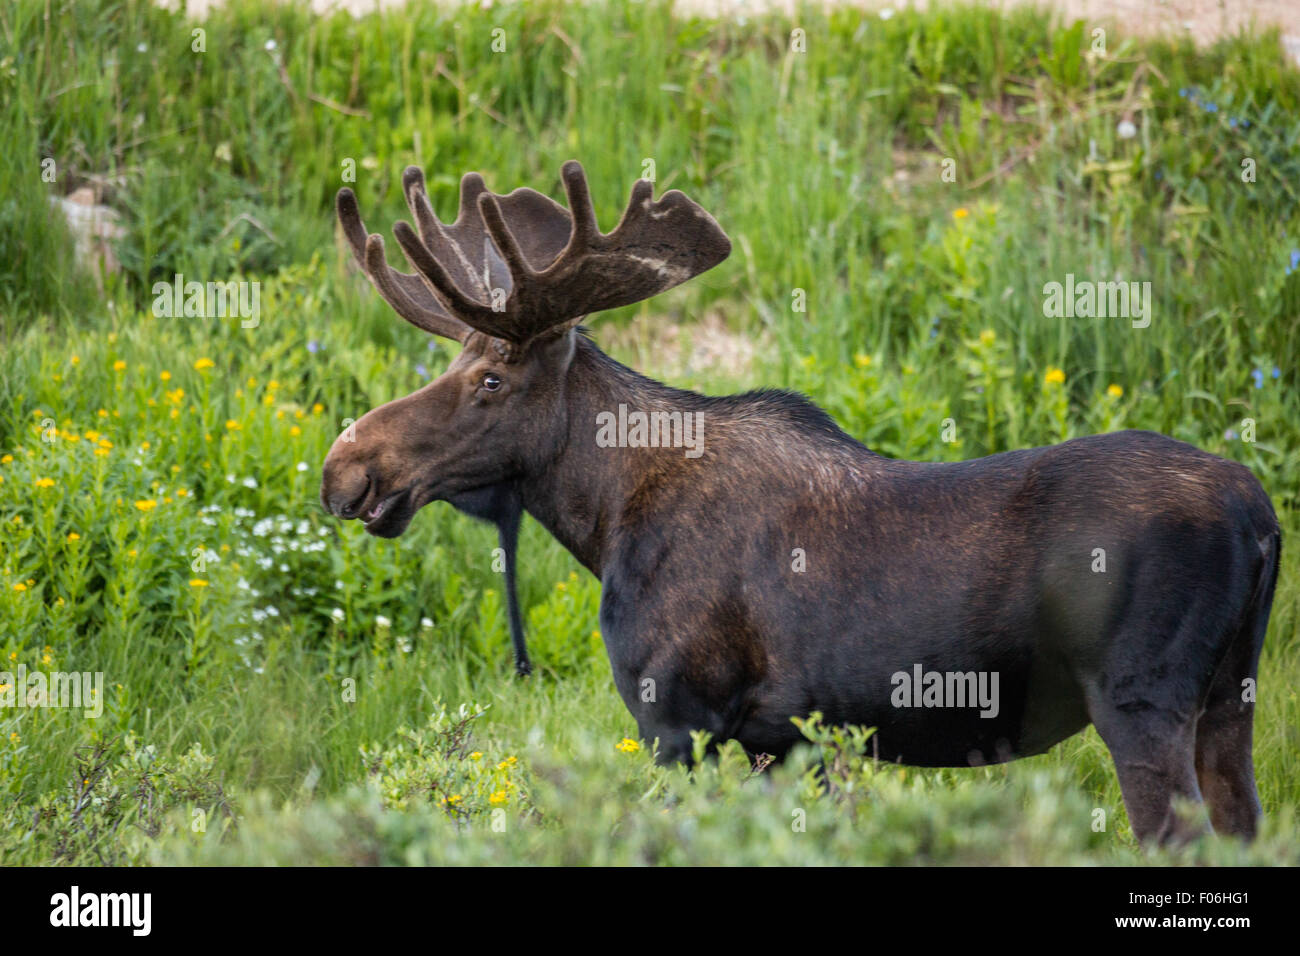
x=1154, y=753
x=1224, y=765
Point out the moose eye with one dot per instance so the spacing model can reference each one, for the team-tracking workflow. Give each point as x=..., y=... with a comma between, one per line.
x=491, y=382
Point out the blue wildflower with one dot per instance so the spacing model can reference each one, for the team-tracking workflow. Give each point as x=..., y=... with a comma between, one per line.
x=1295, y=261
x=1230, y=434
x=421, y=371
x=1258, y=376
x=313, y=346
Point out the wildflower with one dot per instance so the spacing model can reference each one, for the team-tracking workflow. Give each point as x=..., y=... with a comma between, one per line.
x=198, y=583
x=6, y=459
x=165, y=376
x=44, y=482
x=862, y=360
x=498, y=797
x=476, y=755
x=961, y=212
x=988, y=337
x=1115, y=391
x=317, y=408
x=1258, y=375
x=14, y=738
x=507, y=763
x=146, y=504
x=1295, y=261
x=382, y=622
x=627, y=745
x=20, y=587
x=421, y=371
x=452, y=800
x=1054, y=376
x=1126, y=129
x=313, y=346
x=295, y=431
x=337, y=614
x=73, y=536
x=232, y=425
x=426, y=623
x=119, y=366
x=203, y=363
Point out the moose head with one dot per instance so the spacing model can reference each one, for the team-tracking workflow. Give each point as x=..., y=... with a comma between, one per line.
x=509, y=280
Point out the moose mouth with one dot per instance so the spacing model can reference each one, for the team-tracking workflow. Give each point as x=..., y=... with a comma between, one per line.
x=389, y=516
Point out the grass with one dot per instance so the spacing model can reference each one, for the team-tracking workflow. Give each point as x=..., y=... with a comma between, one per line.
x=300, y=685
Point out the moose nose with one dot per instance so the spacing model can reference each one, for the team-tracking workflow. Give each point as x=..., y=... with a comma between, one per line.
x=347, y=493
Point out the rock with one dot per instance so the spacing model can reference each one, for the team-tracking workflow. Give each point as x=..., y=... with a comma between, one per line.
x=93, y=227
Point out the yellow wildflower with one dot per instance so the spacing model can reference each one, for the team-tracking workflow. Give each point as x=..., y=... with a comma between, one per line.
x=627, y=745
x=203, y=363
x=146, y=504
x=1115, y=391
x=1054, y=376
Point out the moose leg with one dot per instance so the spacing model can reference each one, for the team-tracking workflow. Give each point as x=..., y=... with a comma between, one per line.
x=1224, y=765
x=1154, y=753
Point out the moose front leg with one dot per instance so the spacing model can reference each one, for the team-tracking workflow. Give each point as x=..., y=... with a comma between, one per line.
x=677, y=683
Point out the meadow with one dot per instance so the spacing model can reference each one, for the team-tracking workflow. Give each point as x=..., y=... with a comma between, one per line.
x=281, y=688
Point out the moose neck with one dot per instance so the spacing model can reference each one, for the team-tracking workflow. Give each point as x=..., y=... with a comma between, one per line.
x=581, y=493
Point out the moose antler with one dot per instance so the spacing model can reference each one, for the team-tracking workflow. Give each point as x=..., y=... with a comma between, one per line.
x=520, y=265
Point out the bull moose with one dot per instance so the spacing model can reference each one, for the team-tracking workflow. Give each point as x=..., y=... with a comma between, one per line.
x=905, y=573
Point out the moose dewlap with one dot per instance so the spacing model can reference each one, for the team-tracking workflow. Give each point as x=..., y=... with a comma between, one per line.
x=985, y=569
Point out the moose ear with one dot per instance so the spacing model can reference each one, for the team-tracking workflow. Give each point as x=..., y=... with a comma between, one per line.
x=409, y=295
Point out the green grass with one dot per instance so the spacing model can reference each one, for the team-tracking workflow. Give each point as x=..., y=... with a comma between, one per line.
x=245, y=698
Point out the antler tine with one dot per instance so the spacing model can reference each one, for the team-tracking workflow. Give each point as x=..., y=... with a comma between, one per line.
x=417, y=198
x=585, y=230
x=405, y=293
